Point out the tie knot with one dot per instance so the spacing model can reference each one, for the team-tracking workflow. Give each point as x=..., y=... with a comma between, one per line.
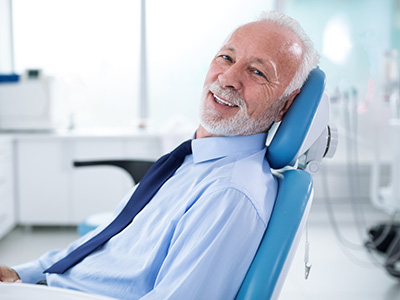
x=183, y=149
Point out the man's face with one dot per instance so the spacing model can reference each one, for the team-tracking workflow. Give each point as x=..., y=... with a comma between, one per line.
x=246, y=78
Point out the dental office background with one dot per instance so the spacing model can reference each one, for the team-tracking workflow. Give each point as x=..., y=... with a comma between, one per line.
x=107, y=74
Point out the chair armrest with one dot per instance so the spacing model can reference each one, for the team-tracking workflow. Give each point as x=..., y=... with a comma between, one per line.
x=135, y=168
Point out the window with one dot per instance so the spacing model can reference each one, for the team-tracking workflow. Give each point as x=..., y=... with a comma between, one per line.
x=92, y=47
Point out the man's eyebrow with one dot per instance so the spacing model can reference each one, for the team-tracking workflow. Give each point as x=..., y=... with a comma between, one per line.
x=262, y=61
x=231, y=49
x=267, y=64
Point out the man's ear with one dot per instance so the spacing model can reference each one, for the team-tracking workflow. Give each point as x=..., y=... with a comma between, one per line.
x=288, y=102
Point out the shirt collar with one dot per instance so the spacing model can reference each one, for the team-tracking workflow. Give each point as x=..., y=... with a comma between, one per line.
x=216, y=147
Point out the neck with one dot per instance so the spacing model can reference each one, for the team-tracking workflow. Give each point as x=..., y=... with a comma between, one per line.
x=202, y=133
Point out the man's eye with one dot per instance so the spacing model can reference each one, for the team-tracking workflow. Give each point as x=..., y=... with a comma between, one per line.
x=259, y=73
x=227, y=57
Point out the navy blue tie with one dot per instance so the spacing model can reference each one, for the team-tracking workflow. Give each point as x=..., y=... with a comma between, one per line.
x=155, y=177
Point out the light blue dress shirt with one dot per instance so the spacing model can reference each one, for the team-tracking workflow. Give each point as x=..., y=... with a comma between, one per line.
x=194, y=240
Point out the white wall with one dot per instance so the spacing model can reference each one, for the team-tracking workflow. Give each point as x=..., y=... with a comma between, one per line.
x=6, y=61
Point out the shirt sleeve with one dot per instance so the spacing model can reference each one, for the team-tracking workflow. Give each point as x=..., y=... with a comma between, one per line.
x=211, y=250
x=32, y=272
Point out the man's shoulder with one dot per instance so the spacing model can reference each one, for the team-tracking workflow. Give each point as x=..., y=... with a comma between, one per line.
x=251, y=179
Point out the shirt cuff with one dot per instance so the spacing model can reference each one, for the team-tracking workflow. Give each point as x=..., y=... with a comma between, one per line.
x=31, y=272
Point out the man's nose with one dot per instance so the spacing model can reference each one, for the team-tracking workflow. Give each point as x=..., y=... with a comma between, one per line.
x=231, y=78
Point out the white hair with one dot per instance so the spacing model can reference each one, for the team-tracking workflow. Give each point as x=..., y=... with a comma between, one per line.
x=310, y=58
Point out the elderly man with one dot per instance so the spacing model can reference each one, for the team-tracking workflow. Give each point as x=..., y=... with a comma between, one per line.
x=197, y=236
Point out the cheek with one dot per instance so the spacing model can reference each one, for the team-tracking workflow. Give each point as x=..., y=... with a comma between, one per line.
x=212, y=74
x=259, y=101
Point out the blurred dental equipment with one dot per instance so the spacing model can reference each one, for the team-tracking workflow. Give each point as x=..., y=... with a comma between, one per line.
x=381, y=242
x=387, y=198
x=32, y=103
x=391, y=81
x=384, y=238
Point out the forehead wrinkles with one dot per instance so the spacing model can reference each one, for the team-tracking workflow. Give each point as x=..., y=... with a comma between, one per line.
x=267, y=38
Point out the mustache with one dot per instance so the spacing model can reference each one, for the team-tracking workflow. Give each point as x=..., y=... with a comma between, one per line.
x=229, y=94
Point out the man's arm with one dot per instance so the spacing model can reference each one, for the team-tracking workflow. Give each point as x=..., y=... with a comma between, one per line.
x=8, y=275
x=32, y=272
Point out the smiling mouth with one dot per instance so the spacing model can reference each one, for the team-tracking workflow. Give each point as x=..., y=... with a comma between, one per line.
x=223, y=102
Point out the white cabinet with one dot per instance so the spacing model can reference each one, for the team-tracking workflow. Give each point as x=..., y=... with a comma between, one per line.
x=96, y=188
x=42, y=182
x=51, y=191
x=7, y=204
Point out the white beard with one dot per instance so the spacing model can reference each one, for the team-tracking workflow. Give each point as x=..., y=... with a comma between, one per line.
x=239, y=124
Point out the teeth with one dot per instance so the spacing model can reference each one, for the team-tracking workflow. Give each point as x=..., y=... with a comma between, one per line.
x=220, y=101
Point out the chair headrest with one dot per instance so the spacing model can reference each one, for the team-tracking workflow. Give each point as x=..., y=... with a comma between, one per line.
x=291, y=134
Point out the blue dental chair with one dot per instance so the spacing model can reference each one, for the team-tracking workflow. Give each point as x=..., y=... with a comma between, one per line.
x=301, y=141
x=295, y=151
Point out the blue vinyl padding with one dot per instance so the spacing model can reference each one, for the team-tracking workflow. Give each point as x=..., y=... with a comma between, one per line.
x=294, y=127
x=295, y=188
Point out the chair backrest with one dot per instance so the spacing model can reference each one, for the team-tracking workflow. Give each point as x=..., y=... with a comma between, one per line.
x=268, y=270
x=293, y=131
